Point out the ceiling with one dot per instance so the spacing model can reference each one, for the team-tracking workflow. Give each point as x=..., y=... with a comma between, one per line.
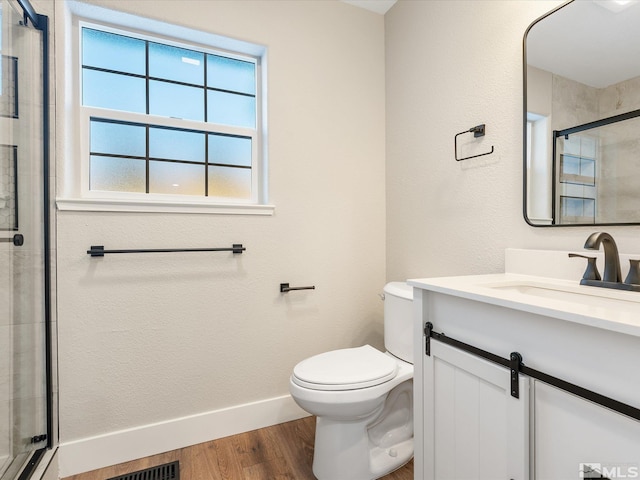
x=378, y=6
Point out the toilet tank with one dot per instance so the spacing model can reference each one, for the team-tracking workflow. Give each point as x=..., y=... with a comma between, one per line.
x=398, y=320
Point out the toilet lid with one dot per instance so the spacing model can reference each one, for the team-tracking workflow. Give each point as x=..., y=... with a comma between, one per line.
x=346, y=369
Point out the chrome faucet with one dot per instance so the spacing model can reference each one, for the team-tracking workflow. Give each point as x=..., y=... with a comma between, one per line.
x=611, y=257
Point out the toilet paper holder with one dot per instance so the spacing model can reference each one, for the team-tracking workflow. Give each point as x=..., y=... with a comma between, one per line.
x=284, y=288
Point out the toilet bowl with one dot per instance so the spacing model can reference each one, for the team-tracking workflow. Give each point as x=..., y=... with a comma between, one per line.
x=362, y=399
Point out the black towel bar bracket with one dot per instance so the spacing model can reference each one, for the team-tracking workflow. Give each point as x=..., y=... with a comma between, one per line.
x=478, y=131
x=99, y=251
x=284, y=288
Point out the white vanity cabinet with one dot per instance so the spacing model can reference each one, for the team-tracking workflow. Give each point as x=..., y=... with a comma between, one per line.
x=467, y=423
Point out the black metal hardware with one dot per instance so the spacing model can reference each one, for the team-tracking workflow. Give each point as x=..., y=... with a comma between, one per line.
x=428, y=327
x=633, y=277
x=515, y=363
x=478, y=131
x=471, y=349
x=99, y=251
x=611, y=277
x=611, y=257
x=39, y=438
x=515, y=359
x=17, y=239
x=167, y=471
x=591, y=273
x=579, y=391
x=595, y=124
x=30, y=14
x=31, y=465
x=284, y=288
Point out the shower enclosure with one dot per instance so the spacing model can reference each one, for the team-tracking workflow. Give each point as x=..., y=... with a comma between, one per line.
x=25, y=323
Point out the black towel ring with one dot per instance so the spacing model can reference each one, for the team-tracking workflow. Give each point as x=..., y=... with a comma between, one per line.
x=478, y=131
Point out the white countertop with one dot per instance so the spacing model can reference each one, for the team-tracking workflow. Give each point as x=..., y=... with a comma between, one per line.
x=604, y=308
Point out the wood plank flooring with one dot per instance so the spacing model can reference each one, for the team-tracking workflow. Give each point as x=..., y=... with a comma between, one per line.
x=280, y=452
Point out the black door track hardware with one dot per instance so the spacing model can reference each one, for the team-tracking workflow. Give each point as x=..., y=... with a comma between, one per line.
x=516, y=366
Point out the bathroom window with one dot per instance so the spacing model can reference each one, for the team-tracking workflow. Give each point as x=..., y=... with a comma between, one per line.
x=169, y=122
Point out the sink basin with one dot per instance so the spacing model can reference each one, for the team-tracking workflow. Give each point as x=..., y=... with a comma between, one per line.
x=594, y=297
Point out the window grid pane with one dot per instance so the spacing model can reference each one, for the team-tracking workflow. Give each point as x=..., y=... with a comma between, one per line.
x=113, y=52
x=143, y=158
x=176, y=100
x=117, y=174
x=177, y=64
x=113, y=91
x=231, y=75
x=159, y=79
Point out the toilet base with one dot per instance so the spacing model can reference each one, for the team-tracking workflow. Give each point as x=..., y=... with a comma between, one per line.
x=366, y=448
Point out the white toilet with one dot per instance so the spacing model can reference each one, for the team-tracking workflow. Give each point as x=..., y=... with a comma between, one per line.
x=363, y=399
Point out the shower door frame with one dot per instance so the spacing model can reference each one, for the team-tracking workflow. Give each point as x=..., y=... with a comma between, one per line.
x=41, y=22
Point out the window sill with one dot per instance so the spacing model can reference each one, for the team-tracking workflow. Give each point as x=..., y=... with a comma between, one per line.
x=118, y=205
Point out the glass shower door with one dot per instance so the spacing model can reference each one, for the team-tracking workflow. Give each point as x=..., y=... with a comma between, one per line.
x=23, y=256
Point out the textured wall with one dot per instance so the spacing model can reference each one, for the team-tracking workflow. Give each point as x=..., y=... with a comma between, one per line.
x=452, y=65
x=148, y=338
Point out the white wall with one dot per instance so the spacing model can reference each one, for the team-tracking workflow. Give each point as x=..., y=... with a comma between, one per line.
x=452, y=65
x=146, y=339
x=149, y=339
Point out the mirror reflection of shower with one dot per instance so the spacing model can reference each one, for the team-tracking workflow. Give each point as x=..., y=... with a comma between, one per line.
x=582, y=112
x=24, y=252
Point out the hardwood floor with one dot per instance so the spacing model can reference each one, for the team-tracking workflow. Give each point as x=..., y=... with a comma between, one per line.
x=280, y=452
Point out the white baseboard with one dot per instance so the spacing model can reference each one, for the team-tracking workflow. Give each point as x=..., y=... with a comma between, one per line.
x=122, y=446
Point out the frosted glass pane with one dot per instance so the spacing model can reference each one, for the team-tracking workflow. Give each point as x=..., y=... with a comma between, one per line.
x=177, y=101
x=230, y=150
x=118, y=139
x=176, y=178
x=176, y=144
x=230, y=182
x=231, y=109
x=173, y=63
x=113, y=52
x=117, y=174
x=230, y=74
x=114, y=91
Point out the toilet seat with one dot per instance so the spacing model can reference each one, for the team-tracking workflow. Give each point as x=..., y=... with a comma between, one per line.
x=345, y=369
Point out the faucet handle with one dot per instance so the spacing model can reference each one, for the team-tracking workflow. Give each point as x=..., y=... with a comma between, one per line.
x=591, y=273
x=633, y=276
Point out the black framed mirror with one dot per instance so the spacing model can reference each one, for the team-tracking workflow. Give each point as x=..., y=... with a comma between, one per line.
x=582, y=115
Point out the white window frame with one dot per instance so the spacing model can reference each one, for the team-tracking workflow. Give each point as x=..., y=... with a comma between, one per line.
x=78, y=196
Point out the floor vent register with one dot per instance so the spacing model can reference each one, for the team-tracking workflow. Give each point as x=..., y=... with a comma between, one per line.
x=168, y=471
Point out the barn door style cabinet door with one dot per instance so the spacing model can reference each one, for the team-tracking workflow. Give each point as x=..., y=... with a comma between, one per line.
x=476, y=428
x=575, y=438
